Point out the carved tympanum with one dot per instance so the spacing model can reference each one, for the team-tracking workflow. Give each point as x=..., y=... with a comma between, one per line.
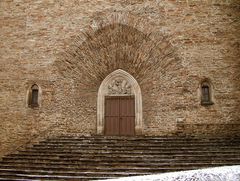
x=119, y=87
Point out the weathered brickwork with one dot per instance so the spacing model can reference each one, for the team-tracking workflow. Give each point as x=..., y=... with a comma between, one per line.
x=68, y=47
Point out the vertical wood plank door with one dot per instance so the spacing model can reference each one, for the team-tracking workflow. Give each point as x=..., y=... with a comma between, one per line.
x=120, y=116
x=112, y=116
x=127, y=116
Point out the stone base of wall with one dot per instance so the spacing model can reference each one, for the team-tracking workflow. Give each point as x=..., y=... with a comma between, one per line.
x=208, y=130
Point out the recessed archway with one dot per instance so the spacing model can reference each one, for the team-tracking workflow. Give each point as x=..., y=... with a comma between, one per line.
x=119, y=83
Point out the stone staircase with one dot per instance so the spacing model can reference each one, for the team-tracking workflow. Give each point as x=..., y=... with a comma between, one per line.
x=91, y=158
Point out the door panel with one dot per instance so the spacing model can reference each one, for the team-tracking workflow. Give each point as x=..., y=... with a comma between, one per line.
x=112, y=126
x=120, y=115
x=112, y=107
x=127, y=106
x=112, y=116
x=127, y=126
x=127, y=116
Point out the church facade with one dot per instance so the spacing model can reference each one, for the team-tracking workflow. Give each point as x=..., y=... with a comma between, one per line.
x=118, y=68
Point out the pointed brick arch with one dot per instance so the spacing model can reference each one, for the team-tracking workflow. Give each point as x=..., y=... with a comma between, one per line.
x=135, y=91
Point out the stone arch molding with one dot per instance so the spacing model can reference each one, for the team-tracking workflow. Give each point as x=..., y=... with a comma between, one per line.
x=119, y=83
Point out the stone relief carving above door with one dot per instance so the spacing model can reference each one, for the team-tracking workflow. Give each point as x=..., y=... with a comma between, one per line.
x=119, y=86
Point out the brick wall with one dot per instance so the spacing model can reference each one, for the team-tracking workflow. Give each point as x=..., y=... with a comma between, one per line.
x=69, y=47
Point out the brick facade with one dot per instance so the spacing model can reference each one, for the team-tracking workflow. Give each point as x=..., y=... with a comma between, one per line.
x=68, y=48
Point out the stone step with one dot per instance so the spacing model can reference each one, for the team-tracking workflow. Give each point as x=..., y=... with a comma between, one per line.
x=142, y=142
x=136, y=149
x=129, y=157
x=54, y=166
x=139, y=138
x=137, y=171
x=25, y=177
x=81, y=164
x=131, y=151
x=160, y=149
x=116, y=155
x=121, y=163
x=103, y=167
x=91, y=168
x=119, y=159
x=72, y=173
x=139, y=146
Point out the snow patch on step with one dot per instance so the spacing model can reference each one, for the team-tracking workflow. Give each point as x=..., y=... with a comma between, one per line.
x=226, y=173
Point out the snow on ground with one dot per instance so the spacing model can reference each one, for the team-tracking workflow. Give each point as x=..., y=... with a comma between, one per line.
x=227, y=173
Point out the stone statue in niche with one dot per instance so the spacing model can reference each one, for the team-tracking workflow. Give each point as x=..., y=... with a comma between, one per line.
x=119, y=87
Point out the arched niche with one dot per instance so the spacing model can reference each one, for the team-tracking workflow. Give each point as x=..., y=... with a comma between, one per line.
x=119, y=83
x=34, y=96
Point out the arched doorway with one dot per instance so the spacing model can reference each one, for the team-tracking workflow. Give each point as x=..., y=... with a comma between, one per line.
x=119, y=105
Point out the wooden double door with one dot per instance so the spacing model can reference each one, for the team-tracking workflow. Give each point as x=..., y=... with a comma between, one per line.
x=120, y=115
